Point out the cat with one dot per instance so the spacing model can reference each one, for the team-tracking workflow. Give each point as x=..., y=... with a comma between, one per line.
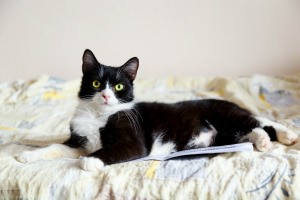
x=112, y=128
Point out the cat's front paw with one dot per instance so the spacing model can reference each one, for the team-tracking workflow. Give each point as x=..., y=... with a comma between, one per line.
x=27, y=156
x=90, y=164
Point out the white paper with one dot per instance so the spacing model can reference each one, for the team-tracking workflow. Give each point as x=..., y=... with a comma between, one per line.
x=246, y=146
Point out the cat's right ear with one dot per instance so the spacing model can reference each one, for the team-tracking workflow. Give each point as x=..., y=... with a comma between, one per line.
x=89, y=61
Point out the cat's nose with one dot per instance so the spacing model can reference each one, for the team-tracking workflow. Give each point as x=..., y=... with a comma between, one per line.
x=105, y=96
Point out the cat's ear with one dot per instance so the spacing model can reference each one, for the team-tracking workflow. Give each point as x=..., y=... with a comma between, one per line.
x=89, y=61
x=131, y=67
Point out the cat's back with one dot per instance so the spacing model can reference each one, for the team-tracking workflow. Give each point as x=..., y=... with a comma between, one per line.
x=197, y=105
x=184, y=111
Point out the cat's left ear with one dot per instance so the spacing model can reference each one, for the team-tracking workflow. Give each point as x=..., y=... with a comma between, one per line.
x=131, y=67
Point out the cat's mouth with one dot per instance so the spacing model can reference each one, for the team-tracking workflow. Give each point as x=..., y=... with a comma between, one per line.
x=108, y=103
x=105, y=100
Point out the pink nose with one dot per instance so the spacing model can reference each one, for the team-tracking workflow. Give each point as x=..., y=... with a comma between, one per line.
x=105, y=96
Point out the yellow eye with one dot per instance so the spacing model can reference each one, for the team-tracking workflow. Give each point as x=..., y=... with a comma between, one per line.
x=119, y=87
x=96, y=84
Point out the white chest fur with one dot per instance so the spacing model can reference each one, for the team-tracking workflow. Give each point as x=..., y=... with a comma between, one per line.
x=89, y=117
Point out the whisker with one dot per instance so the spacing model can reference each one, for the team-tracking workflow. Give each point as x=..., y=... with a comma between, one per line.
x=138, y=113
x=86, y=96
x=133, y=121
x=134, y=116
x=128, y=119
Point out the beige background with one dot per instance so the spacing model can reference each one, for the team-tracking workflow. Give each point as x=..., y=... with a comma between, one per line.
x=171, y=37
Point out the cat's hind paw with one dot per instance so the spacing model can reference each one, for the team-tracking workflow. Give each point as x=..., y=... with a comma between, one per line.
x=263, y=143
x=90, y=164
x=287, y=137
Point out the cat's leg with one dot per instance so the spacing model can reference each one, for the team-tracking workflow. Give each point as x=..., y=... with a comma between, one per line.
x=260, y=138
x=111, y=155
x=204, y=138
x=71, y=148
x=50, y=152
x=284, y=135
x=162, y=148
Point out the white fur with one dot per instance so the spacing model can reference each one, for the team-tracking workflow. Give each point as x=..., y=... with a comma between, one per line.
x=159, y=148
x=107, y=92
x=204, y=139
x=266, y=122
x=90, y=116
x=90, y=164
x=260, y=138
x=284, y=134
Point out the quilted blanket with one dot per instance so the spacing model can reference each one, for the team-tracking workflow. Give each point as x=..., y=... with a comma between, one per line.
x=38, y=112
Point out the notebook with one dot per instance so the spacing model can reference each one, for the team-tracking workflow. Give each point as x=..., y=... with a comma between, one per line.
x=246, y=146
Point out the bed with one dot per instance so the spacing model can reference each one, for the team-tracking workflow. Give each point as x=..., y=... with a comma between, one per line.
x=39, y=110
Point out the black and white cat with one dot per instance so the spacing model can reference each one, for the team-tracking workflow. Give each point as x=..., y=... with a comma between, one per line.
x=112, y=128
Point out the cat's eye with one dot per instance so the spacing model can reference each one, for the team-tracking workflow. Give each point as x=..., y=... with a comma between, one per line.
x=96, y=84
x=119, y=87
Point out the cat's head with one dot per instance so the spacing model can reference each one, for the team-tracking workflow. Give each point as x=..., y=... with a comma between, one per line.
x=108, y=86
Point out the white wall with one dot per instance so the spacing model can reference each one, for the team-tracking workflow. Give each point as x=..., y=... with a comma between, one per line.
x=171, y=37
